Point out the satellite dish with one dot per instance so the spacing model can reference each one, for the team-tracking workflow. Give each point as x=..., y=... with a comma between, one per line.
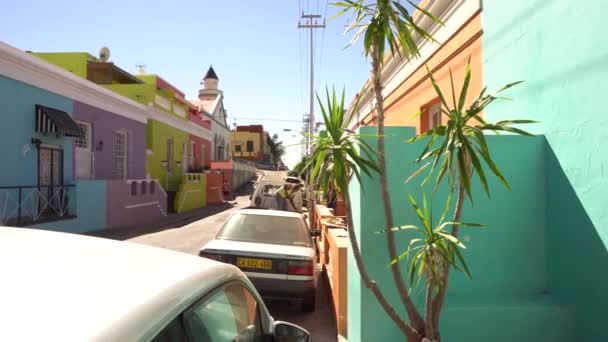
x=104, y=54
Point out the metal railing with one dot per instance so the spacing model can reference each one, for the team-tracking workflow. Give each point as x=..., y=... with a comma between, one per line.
x=26, y=205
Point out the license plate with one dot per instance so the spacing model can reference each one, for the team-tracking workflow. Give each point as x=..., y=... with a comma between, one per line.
x=254, y=263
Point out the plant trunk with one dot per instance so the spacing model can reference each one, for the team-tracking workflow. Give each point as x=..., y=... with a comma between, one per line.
x=429, y=328
x=412, y=312
x=410, y=332
x=440, y=297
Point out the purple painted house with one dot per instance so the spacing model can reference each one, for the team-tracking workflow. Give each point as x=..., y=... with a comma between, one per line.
x=97, y=175
x=113, y=150
x=113, y=146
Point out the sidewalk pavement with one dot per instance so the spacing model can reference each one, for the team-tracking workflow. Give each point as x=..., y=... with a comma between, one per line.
x=172, y=220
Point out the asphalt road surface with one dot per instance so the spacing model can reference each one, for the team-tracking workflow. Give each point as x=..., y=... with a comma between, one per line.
x=191, y=237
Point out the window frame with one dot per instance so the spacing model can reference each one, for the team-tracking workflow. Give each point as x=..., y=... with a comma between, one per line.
x=429, y=111
x=125, y=156
x=84, y=142
x=250, y=146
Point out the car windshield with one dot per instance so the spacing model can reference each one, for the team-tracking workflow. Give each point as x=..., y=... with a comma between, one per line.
x=278, y=230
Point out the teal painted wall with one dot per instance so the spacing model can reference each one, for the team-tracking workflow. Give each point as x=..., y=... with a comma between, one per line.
x=507, y=259
x=90, y=210
x=17, y=114
x=556, y=47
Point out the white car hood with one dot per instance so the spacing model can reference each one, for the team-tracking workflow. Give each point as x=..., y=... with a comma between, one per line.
x=249, y=248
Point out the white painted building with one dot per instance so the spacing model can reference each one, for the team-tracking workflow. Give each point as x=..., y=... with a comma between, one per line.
x=210, y=104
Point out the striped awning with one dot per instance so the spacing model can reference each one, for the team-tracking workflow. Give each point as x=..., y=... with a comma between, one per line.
x=49, y=120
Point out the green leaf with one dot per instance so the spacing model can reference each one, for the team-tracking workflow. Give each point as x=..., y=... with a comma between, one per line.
x=464, y=178
x=506, y=129
x=465, y=85
x=436, y=87
x=426, y=13
x=515, y=122
x=486, y=157
x=452, y=239
x=477, y=166
x=507, y=86
x=417, y=172
x=446, y=208
x=399, y=257
x=419, y=212
x=442, y=170
x=463, y=224
x=462, y=262
x=395, y=229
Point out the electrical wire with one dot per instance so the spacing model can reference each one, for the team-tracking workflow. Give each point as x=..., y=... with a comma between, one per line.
x=265, y=119
x=323, y=42
x=301, y=57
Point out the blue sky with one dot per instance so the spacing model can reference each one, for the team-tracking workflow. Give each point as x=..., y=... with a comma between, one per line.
x=255, y=47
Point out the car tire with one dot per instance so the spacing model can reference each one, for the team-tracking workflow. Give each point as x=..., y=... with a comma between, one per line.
x=308, y=304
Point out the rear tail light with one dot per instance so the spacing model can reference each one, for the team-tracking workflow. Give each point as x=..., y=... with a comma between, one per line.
x=300, y=267
x=216, y=257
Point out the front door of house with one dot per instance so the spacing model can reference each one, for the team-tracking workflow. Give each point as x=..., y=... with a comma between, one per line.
x=50, y=175
x=83, y=152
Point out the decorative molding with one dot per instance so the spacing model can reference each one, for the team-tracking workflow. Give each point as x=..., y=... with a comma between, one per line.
x=454, y=14
x=175, y=122
x=26, y=68
x=162, y=102
x=29, y=69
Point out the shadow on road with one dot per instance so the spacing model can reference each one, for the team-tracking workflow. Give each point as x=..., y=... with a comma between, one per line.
x=174, y=220
x=320, y=324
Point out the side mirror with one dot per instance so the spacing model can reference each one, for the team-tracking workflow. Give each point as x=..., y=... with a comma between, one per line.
x=315, y=232
x=258, y=201
x=287, y=332
x=247, y=335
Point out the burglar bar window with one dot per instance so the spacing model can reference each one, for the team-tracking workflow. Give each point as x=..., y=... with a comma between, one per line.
x=121, y=154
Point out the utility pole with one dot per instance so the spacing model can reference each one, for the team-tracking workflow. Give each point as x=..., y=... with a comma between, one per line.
x=310, y=22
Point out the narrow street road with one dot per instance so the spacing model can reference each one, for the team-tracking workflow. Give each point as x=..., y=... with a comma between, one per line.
x=191, y=237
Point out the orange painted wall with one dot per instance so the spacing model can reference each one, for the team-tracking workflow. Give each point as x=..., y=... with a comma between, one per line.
x=214, y=183
x=416, y=90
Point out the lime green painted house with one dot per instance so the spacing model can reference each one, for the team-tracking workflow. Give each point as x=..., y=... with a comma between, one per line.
x=74, y=62
x=173, y=144
x=164, y=156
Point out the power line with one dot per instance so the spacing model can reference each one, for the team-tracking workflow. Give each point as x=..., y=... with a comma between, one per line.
x=310, y=22
x=301, y=57
x=323, y=41
x=265, y=119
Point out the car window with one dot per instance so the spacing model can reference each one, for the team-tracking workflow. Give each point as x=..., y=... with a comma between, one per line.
x=269, y=190
x=279, y=230
x=229, y=314
x=172, y=333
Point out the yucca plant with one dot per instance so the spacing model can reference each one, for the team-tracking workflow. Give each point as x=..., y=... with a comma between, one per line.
x=338, y=157
x=387, y=23
x=457, y=151
x=431, y=254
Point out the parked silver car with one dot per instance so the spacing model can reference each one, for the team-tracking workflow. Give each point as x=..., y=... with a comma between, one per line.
x=274, y=249
x=68, y=287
